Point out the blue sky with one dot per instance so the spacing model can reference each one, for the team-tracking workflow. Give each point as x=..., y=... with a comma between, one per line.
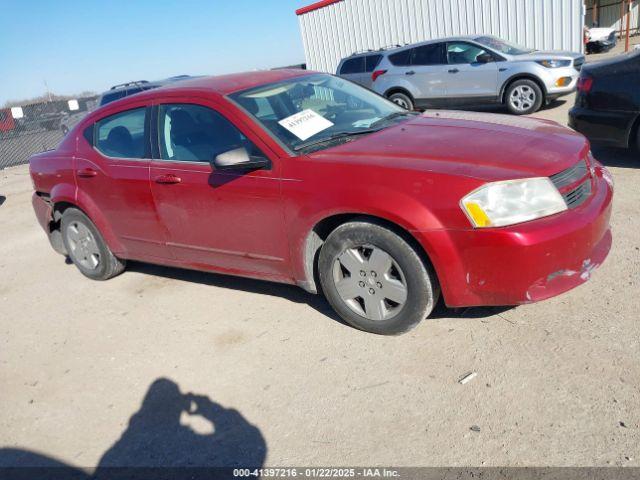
x=93, y=44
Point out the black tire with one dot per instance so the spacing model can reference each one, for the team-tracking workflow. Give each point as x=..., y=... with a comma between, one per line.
x=403, y=100
x=419, y=279
x=530, y=105
x=108, y=265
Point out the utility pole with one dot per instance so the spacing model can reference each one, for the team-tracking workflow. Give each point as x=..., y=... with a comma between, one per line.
x=46, y=88
x=626, y=42
x=622, y=10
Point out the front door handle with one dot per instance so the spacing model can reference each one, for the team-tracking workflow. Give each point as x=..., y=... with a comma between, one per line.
x=410, y=72
x=87, y=173
x=454, y=70
x=168, y=179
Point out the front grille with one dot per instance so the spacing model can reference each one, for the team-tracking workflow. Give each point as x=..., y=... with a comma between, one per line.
x=570, y=175
x=576, y=195
x=578, y=62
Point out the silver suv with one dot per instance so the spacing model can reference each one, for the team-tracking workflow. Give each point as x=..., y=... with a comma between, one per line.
x=464, y=71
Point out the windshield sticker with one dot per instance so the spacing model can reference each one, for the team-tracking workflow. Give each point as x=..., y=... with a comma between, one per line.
x=305, y=124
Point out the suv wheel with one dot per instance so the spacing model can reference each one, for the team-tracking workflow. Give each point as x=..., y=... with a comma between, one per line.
x=524, y=97
x=375, y=280
x=86, y=248
x=402, y=99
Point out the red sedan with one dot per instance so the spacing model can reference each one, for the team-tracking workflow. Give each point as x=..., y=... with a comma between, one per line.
x=308, y=179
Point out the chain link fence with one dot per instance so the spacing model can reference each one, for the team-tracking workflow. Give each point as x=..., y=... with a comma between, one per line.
x=29, y=129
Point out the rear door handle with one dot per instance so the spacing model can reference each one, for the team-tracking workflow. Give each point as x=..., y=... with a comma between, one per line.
x=454, y=70
x=168, y=179
x=87, y=173
x=410, y=72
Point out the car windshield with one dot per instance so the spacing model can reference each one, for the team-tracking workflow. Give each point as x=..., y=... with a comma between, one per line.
x=502, y=46
x=315, y=111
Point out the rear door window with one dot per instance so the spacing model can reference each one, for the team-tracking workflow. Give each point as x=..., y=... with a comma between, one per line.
x=428, y=55
x=123, y=135
x=401, y=59
x=353, y=65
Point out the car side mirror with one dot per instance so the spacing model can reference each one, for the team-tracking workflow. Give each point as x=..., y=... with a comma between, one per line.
x=239, y=159
x=485, y=58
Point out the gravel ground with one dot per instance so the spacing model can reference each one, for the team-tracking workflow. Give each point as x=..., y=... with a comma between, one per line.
x=100, y=373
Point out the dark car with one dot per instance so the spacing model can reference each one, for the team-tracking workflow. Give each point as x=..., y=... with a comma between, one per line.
x=607, y=108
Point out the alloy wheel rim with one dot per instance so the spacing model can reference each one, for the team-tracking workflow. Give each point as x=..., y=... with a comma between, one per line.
x=401, y=102
x=370, y=282
x=83, y=246
x=522, y=98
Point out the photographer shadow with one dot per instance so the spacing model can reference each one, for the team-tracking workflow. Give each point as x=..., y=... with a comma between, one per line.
x=157, y=442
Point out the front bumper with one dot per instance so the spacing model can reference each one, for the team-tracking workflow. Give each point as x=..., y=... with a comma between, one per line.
x=527, y=262
x=551, y=77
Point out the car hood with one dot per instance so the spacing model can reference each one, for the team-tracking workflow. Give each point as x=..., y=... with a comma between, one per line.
x=546, y=55
x=486, y=146
x=596, y=34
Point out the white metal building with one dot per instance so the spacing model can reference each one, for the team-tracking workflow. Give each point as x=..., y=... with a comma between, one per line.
x=334, y=29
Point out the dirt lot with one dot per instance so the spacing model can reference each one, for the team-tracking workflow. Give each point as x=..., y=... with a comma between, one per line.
x=286, y=384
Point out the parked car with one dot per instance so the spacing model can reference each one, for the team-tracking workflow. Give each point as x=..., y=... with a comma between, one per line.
x=600, y=40
x=464, y=71
x=116, y=93
x=302, y=178
x=607, y=107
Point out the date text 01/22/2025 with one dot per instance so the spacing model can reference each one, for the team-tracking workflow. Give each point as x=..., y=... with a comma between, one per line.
x=316, y=473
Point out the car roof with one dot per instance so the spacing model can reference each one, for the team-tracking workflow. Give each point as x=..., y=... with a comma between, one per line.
x=218, y=85
x=397, y=48
x=435, y=40
x=226, y=84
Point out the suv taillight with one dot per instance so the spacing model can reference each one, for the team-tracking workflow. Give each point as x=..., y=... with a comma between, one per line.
x=376, y=74
x=585, y=84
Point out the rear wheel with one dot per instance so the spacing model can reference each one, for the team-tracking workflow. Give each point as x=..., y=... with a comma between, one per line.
x=375, y=280
x=86, y=247
x=524, y=97
x=403, y=100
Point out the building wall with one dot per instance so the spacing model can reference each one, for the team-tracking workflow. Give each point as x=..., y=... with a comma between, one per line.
x=609, y=13
x=344, y=27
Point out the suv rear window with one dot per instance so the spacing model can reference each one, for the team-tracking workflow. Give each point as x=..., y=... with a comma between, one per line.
x=372, y=62
x=353, y=65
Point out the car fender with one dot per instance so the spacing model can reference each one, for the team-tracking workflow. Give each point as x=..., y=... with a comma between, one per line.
x=516, y=71
x=382, y=204
x=389, y=85
x=85, y=203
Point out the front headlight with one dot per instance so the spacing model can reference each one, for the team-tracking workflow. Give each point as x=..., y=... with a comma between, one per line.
x=555, y=63
x=512, y=201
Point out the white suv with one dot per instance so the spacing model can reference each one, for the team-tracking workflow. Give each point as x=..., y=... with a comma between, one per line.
x=464, y=71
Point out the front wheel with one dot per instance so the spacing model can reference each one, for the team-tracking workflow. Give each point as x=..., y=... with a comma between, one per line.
x=375, y=280
x=86, y=247
x=524, y=97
